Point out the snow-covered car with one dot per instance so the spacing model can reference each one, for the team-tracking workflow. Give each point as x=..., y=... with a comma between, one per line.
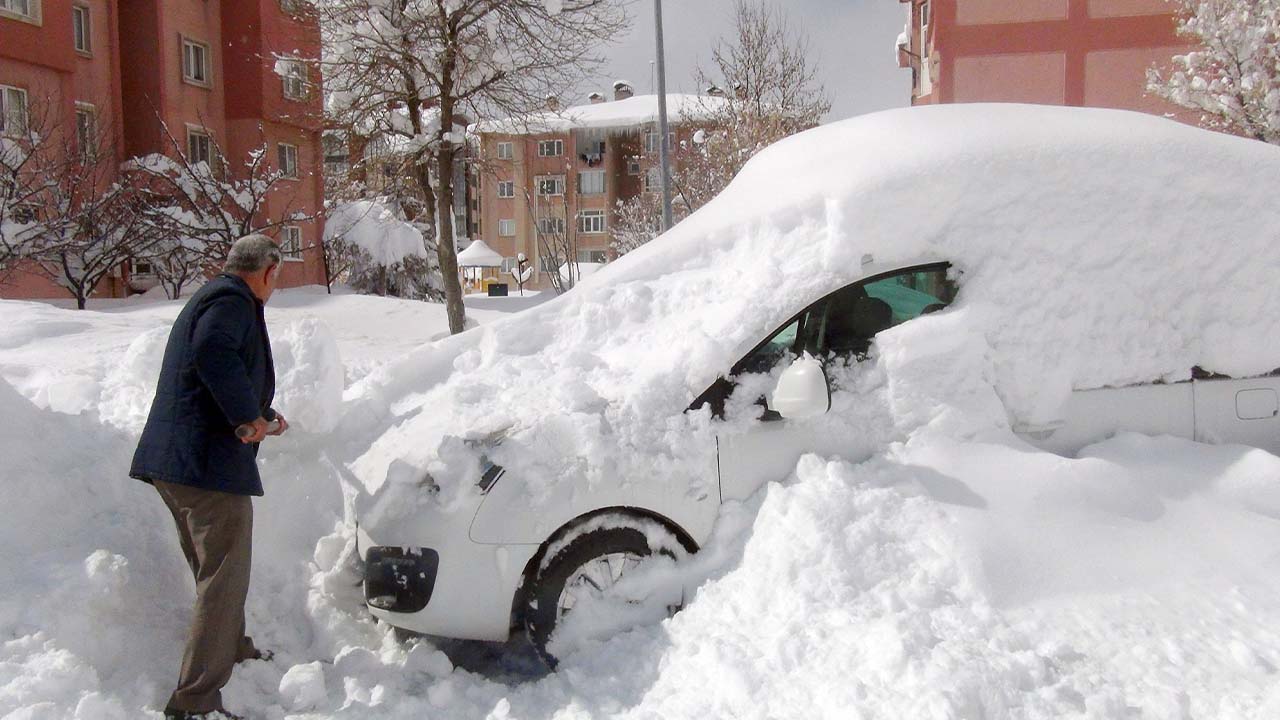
x=1063, y=273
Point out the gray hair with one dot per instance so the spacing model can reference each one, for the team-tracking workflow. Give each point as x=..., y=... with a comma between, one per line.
x=252, y=253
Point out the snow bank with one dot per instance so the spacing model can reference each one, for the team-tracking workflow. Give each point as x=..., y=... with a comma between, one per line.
x=309, y=389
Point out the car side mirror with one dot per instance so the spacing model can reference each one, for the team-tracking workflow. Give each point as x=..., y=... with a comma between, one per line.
x=801, y=391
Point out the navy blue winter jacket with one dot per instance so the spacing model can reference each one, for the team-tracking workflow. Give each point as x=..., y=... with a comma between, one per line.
x=217, y=374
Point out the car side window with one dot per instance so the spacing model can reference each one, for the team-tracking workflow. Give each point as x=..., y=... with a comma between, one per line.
x=854, y=315
x=766, y=356
x=842, y=325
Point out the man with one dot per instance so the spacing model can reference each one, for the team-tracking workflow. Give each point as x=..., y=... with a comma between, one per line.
x=199, y=448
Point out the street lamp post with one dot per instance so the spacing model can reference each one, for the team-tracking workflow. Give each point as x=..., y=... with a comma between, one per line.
x=664, y=159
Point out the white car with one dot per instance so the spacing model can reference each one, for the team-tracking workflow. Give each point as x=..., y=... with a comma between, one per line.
x=1084, y=271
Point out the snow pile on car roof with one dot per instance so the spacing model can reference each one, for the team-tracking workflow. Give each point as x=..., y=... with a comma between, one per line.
x=1096, y=248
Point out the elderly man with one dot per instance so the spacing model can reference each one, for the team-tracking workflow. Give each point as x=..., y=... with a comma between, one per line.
x=199, y=448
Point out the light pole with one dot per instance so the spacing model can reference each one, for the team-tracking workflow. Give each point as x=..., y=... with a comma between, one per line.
x=664, y=182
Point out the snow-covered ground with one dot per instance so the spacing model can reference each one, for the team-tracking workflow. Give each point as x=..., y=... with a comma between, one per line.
x=937, y=580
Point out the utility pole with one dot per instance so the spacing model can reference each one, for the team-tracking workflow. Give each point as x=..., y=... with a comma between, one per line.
x=664, y=153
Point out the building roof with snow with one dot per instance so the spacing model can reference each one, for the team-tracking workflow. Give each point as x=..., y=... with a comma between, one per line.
x=613, y=115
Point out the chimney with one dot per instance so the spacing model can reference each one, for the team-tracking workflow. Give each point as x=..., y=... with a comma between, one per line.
x=714, y=90
x=622, y=90
x=553, y=103
x=595, y=98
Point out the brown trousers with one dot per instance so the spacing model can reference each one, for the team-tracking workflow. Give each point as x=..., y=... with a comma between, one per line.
x=216, y=532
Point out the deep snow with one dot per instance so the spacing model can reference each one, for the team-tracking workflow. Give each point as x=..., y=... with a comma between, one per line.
x=941, y=579
x=955, y=573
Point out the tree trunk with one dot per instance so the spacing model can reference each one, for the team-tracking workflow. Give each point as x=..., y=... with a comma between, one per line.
x=445, y=250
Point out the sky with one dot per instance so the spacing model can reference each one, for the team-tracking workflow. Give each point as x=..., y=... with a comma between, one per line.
x=852, y=43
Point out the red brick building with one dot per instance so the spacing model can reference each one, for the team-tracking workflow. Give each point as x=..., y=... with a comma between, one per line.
x=202, y=72
x=1057, y=52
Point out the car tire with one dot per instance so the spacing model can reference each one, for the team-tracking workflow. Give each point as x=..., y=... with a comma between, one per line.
x=542, y=612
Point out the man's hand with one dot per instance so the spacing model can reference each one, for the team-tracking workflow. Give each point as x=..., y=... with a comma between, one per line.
x=253, y=432
x=280, y=425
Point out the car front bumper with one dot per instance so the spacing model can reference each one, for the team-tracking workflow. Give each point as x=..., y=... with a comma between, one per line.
x=442, y=583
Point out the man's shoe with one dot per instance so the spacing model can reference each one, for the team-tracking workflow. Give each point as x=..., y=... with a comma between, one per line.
x=248, y=651
x=211, y=715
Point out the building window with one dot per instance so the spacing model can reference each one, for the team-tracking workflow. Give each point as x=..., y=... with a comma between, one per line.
x=651, y=141
x=924, y=13
x=86, y=135
x=25, y=9
x=548, y=264
x=13, y=111
x=291, y=7
x=80, y=28
x=336, y=166
x=505, y=151
x=291, y=243
x=143, y=267
x=591, y=222
x=551, y=225
x=591, y=182
x=507, y=228
x=549, y=185
x=195, y=62
x=287, y=156
x=506, y=189
x=293, y=77
x=199, y=147
x=652, y=181
x=550, y=148
x=633, y=166
x=592, y=256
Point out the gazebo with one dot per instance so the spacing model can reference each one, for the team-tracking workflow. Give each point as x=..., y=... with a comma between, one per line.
x=478, y=256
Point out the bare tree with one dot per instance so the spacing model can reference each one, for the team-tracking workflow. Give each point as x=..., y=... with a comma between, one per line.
x=91, y=224
x=763, y=87
x=203, y=205
x=28, y=148
x=556, y=232
x=1233, y=77
x=414, y=69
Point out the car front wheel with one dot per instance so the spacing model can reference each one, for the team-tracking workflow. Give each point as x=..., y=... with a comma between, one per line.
x=602, y=581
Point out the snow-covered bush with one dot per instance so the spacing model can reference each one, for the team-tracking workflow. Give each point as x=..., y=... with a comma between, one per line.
x=381, y=252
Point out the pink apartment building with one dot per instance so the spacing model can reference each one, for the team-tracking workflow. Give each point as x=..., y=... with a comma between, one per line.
x=1058, y=52
x=195, y=71
x=566, y=170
